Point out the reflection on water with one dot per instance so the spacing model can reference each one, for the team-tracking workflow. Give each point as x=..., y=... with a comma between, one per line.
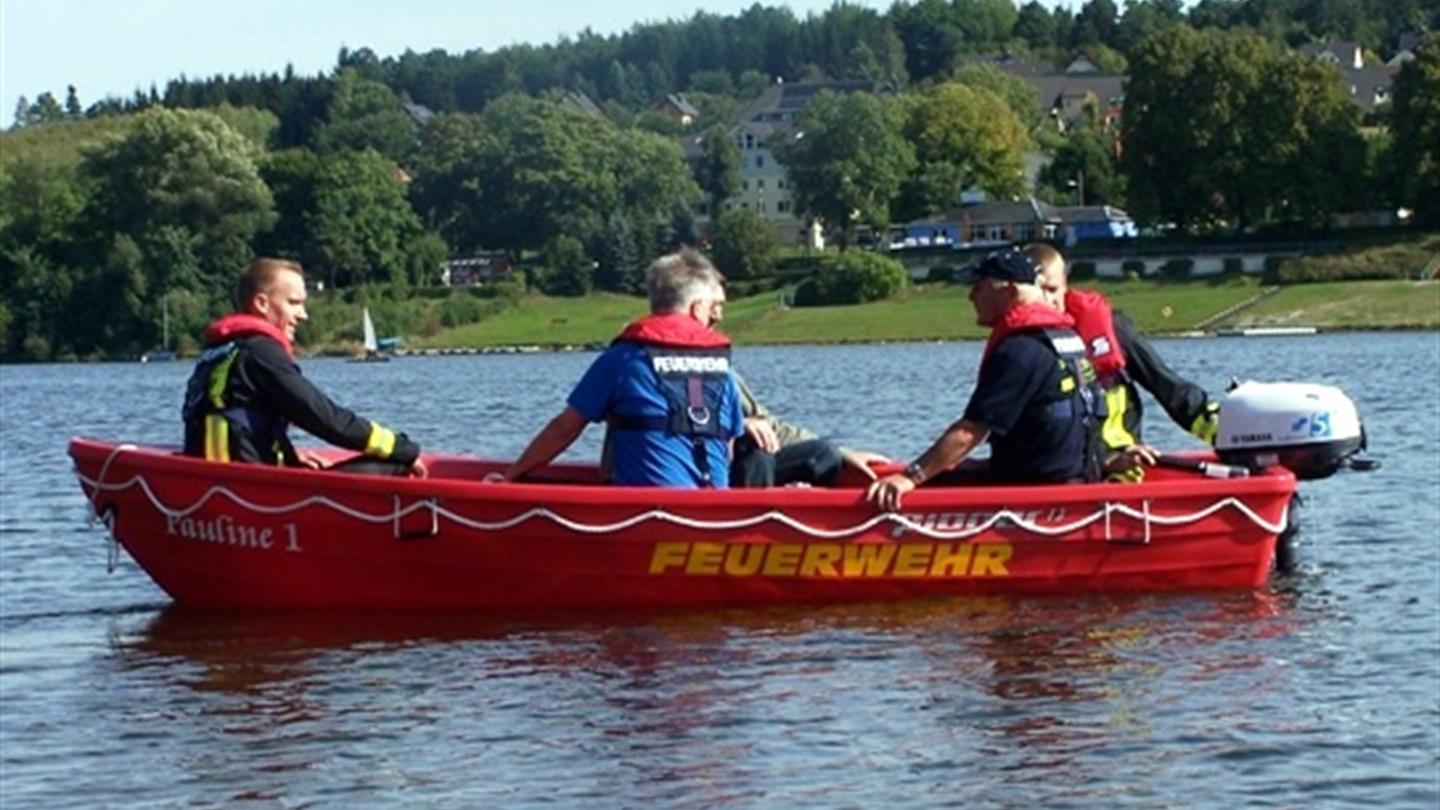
x=707, y=706
x=1321, y=690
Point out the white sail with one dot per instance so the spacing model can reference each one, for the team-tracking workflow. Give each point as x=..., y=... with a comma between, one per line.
x=371, y=344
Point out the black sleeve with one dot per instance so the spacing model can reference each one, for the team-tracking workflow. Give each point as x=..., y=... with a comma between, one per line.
x=302, y=404
x=1182, y=400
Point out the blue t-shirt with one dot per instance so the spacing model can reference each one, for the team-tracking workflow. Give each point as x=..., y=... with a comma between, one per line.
x=621, y=382
x=1037, y=432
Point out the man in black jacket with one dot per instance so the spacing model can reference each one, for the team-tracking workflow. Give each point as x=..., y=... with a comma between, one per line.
x=247, y=390
x=1123, y=358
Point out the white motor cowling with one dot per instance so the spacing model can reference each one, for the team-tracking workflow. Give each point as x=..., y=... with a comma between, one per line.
x=1312, y=430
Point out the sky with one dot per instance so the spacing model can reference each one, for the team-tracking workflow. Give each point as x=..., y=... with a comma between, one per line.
x=112, y=47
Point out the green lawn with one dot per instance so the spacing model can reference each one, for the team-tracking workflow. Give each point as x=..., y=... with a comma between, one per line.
x=1350, y=305
x=542, y=321
x=942, y=312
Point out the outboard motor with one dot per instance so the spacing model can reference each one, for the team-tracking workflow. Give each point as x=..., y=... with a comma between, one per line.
x=1312, y=430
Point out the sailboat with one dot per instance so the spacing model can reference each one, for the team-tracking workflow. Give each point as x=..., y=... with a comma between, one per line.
x=166, y=354
x=372, y=345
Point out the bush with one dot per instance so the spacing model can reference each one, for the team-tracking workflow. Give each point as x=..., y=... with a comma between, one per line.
x=1234, y=266
x=1133, y=268
x=1082, y=271
x=756, y=286
x=1388, y=263
x=1272, y=268
x=1177, y=269
x=461, y=308
x=852, y=278
x=744, y=245
x=940, y=274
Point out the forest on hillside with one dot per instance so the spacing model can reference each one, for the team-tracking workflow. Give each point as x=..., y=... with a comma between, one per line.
x=117, y=214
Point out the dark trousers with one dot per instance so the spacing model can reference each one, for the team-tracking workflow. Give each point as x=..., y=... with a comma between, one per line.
x=977, y=473
x=814, y=462
x=363, y=465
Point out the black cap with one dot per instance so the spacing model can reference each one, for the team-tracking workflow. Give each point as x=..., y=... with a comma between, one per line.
x=1005, y=265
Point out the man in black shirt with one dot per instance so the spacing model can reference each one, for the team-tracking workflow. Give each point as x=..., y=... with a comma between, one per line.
x=247, y=390
x=1035, y=399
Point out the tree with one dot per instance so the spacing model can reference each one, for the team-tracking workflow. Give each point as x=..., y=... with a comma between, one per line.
x=1085, y=162
x=616, y=258
x=715, y=82
x=540, y=171
x=424, y=257
x=986, y=26
x=39, y=205
x=22, y=112
x=366, y=114
x=1415, y=124
x=744, y=244
x=116, y=287
x=1143, y=18
x=35, y=291
x=568, y=270
x=72, y=103
x=848, y=160
x=44, y=111
x=653, y=177
x=1096, y=24
x=530, y=169
x=1228, y=128
x=1036, y=26
x=447, y=167
x=361, y=223
x=931, y=34
x=1018, y=94
x=292, y=176
x=962, y=138
x=718, y=170
x=184, y=169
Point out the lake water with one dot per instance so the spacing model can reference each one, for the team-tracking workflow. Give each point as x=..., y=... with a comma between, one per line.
x=1321, y=690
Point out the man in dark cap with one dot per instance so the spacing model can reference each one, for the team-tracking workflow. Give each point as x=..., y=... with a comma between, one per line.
x=1035, y=399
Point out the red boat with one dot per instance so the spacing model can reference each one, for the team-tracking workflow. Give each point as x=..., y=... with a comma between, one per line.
x=240, y=535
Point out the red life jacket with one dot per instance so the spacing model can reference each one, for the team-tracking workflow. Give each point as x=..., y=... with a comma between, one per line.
x=1022, y=317
x=1097, y=328
x=672, y=329
x=238, y=325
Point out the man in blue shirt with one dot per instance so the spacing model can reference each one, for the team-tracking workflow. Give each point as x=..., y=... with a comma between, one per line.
x=664, y=388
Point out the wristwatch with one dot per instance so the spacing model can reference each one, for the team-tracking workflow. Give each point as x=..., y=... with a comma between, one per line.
x=914, y=473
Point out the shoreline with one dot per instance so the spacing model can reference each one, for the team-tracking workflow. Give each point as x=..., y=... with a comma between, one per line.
x=330, y=352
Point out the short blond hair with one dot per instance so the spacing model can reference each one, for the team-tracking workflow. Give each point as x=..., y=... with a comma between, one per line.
x=260, y=277
x=1046, y=257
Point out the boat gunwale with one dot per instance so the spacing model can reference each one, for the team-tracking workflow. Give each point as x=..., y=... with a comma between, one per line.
x=166, y=460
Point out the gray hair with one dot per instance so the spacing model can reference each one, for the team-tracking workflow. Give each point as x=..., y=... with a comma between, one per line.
x=675, y=280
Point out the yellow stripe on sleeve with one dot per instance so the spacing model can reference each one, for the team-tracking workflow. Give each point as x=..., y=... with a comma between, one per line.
x=381, y=443
x=1113, y=432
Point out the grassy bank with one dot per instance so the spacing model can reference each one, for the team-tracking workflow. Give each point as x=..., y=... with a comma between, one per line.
x=942, y=312
x=1349, y=305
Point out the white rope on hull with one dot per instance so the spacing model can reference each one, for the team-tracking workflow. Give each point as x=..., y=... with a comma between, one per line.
x=1106, y=511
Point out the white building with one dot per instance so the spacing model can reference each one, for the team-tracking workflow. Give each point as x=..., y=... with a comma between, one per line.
x=764, y=184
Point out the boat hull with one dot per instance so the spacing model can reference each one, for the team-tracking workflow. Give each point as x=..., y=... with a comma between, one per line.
x=233, y=536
